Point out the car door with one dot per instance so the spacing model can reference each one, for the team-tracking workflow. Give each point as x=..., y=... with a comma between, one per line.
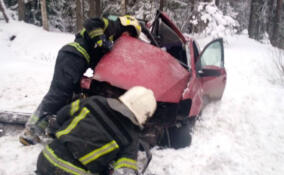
x=211, y=70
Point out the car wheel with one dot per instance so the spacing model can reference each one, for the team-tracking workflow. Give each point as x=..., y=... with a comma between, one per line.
x=179, y=136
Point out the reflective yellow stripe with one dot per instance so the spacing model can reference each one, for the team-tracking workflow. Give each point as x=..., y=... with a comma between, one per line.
x=125, y=163
x=62, y=164
x=110, y=37
x=97, y=153
x=73, y=123
x=100, y=43
x=80, y=49
x=128, y=21
x=96, y=32
x=106, y=23
x=33, y=119
x=74, y=107
x=83, y=32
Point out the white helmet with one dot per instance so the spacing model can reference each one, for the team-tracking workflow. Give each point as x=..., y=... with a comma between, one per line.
x=141, y=102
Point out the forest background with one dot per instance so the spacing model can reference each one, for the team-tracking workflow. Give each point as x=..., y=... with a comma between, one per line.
x=262, y=19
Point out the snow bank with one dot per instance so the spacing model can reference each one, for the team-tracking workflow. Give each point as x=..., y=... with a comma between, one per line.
x=241, y=134
x=27, y=59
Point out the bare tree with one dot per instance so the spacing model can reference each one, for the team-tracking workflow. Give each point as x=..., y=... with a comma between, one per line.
x=217, y=2
x=79, y=15
x=256, y=23
x=95, y=8
x=21, y=9
x=83, y=10
x=92, y=11
x=276, y=36
x=191, y=28
x=270, y=17
x=2, y=9
x=162, y=3
x=98, y=7
x=44, y=15
x=123, y=8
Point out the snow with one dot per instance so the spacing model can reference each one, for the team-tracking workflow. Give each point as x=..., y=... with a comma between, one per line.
x=241, y=134
x=218, y=24
x=26, y=64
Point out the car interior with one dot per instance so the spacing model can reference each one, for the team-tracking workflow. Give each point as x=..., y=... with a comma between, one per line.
x=169, y=40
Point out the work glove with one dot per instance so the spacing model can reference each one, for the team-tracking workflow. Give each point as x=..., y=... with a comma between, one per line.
x=124, y=171
x=52, y=126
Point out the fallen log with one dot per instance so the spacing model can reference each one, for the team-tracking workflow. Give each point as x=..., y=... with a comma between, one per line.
x=15, y=118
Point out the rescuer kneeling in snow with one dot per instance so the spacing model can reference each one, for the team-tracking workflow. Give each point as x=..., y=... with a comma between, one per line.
x=72, y=61
x=97, y=132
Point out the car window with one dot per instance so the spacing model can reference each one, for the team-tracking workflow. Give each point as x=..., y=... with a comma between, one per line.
x=212, y=55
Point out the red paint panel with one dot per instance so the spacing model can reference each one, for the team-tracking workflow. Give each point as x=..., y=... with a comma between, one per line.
x=195, y=93
x=214, y=86
x=133, y=62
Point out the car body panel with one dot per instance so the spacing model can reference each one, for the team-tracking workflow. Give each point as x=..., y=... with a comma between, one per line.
x=214, y=86
x=194, y=89
x=211, y=70
x=133, y=62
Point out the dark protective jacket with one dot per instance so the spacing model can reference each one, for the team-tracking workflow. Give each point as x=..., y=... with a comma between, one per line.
x=90, y=136
x=71, y=63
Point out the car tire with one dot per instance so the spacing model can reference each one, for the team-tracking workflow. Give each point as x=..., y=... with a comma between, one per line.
x=179, y=136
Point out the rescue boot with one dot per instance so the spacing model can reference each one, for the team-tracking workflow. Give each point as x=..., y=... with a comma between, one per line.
x=29, y=138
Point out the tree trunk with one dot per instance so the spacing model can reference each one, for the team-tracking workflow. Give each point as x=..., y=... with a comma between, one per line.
x=83, y=11
x=92, y=11
x=98, y=8
x=79, y=16
x=191, y=27
x=256, y=23
x=217, y=2
x=162, y=4
x=21, y=10
x=44, y=15
x=192, y=4
x=2, y=9
x=276, y=37
x=123, y=9
x=270, y=23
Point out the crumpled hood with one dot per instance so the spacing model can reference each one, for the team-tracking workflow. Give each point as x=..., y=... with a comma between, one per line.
x=133, y=62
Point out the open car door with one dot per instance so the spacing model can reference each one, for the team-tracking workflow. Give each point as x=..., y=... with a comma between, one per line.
x=211, y=70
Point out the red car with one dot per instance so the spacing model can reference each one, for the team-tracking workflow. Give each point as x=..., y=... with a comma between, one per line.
x=182, y=78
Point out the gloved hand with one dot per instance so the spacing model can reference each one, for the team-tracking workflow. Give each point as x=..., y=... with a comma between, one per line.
x=52, y=126
x=124, y=171
x=104, y=44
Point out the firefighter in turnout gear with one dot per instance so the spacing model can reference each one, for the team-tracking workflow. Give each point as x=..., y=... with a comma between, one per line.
x=94, y=40
x=96, y=132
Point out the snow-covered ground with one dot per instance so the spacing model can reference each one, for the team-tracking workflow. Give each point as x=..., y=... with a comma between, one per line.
x=241, y=134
